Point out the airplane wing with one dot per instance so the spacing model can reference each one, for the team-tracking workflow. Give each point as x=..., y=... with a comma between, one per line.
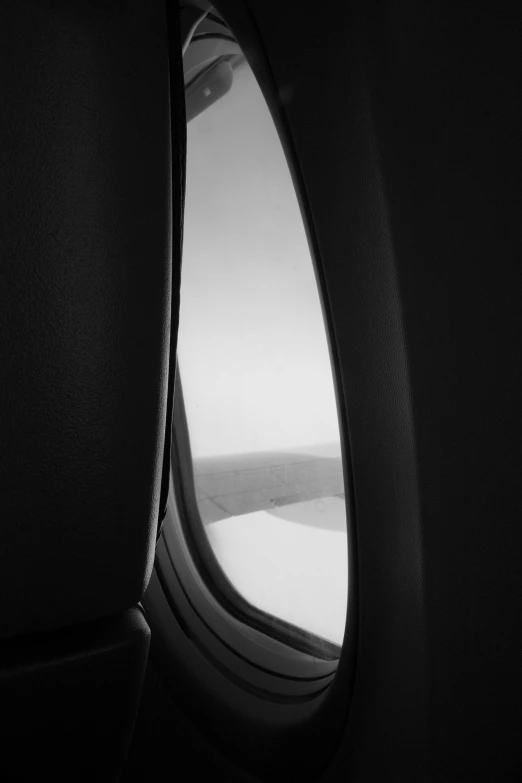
x=239, y=484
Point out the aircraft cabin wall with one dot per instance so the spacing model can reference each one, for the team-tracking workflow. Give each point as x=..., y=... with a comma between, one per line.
x=403, y=120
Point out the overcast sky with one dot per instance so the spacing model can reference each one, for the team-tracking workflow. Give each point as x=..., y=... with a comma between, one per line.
x=252, y=348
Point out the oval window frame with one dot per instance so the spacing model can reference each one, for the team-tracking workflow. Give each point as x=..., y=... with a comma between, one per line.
x=304, y=724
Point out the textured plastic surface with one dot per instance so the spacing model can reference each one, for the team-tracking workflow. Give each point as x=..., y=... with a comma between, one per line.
x=86, y=240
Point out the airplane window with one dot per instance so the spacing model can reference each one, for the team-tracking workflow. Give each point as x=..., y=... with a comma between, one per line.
x=254, y=363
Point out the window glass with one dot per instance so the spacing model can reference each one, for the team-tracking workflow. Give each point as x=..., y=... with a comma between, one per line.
x=256, y=373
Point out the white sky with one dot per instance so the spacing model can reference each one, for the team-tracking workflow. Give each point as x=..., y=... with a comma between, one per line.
x=252, y=349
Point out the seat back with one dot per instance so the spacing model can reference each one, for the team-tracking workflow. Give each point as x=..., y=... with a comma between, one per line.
x=86, y=248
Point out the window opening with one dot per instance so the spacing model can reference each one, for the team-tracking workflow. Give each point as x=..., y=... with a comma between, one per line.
x=254, y=362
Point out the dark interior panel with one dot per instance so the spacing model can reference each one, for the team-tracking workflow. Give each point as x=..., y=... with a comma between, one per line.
x=69, y=700
x=85, y=287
